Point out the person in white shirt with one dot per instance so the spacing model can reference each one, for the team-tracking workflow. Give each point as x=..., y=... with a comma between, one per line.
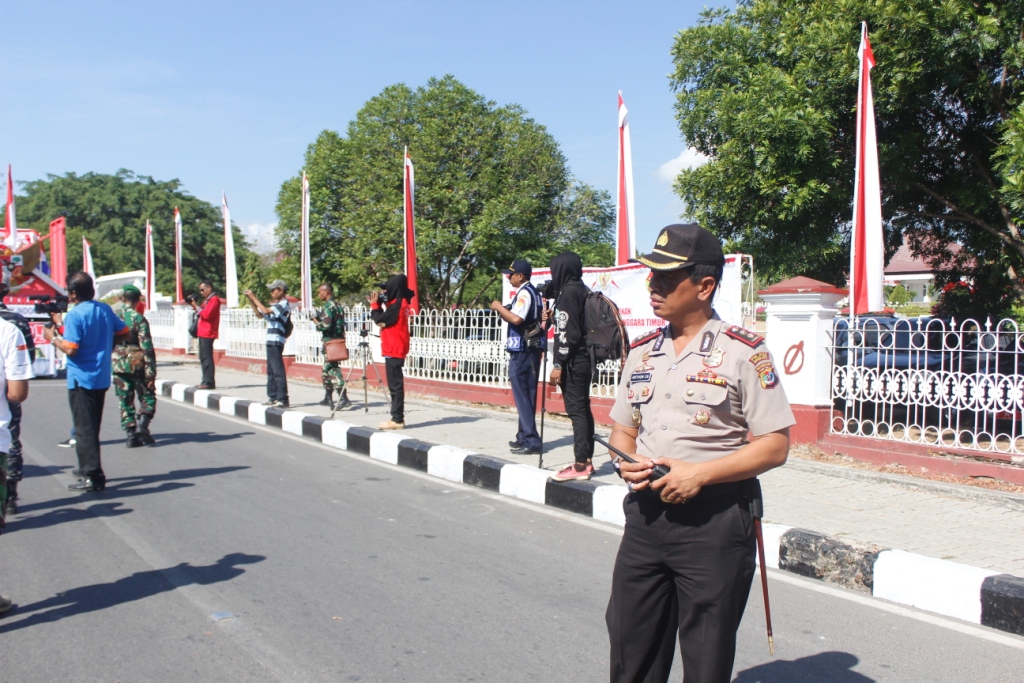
x=15, y=372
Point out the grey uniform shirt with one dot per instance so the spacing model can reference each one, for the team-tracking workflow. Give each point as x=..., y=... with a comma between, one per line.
x=700, y=405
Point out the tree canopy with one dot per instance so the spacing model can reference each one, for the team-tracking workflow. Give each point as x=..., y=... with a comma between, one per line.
x=768, y=92
x=111, y=212
x=491, y=186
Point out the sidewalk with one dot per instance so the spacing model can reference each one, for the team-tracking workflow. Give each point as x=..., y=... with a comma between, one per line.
x=972, y=526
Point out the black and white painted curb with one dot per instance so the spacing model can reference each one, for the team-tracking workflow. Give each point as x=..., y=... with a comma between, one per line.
x=957, y=590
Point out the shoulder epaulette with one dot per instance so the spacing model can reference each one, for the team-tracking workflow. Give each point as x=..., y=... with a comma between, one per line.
x=646, y=337
x=746, y=336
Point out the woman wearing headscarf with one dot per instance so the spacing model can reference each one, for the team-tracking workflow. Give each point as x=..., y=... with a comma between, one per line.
x=390, y=311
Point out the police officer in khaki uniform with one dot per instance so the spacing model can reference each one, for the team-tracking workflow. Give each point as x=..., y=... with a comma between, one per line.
x=690, y=394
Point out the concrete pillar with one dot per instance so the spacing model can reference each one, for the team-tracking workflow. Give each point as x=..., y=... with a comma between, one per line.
x=798, y=333
x=182, y=318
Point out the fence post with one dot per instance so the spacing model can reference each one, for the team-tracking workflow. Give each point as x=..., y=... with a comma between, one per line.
x=798, y=332
x=182, y=317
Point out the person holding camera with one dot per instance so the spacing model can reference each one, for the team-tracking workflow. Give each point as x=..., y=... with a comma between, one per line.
x=207, y=330
x=571, y=362
x=692, y=395
x=15, y=459
x=134, y=368
x=330, y=323
x=278, y=316
x=524, y=344
x=390, y=311
x=90, y=328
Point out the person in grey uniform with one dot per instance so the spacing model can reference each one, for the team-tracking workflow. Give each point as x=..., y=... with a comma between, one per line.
x=690, y=394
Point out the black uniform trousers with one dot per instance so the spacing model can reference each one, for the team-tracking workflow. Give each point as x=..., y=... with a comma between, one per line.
x=686, y=569
x=206, y=361
x=277, y=380
x=576, y=378
x=87, y=413
x=396, y=386
x=15, y=459
x=523, y=367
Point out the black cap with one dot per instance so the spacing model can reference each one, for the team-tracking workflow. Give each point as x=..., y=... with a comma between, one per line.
x=681, y=246
x=520, y=266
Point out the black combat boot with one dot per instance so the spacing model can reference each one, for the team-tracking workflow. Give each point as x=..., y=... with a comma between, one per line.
x=144, y=435
x=12, y=497
x=133, y=440
x=343, y=401
x=327, y=398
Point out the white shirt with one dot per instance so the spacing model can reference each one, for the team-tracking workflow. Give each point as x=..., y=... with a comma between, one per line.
x=15, y=365
x=523, y=302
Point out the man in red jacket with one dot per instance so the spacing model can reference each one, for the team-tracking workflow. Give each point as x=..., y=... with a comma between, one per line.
x=209, y=326
x=390, y=311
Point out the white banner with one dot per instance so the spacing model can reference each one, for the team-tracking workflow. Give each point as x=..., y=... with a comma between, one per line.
x=627, y=287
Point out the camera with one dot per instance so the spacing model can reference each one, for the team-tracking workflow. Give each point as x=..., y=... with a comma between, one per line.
x=50, y=304
x=544, y=289
x=191, y=298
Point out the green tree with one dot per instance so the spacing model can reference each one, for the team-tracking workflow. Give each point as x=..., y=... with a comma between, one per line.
x=768, y=92
x=490, y=186
x=111, y=212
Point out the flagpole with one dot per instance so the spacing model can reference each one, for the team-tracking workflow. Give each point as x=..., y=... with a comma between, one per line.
x=230, y=266
x=409, y=241
x=87, y=258
x=180, y=292
x=306, y=274
x=150, y=270
x=625, y=224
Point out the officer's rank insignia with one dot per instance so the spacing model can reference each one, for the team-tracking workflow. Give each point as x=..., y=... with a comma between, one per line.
x=702, y=417
x=745, y=336
x=637, y=417
x=661, y=340
x=714, y=358
x=704, y=379
x=706, y=341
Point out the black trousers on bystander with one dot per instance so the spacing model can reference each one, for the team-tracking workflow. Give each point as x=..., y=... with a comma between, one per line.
x=396, y=385
x=87, y=413
x=576, y=377
x=206, y=361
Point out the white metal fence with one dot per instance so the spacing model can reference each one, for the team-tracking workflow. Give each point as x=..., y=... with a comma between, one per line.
x=161, y=326
x=945, y=384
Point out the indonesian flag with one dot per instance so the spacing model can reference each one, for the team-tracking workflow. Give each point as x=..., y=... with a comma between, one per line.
x=410, y=232
x=59, y=251
x=10, y=221
x=230, y=267
x=87, y=258
x=150, y=269
x=625, y=221
x=306, y=275
x=867, y=251
x=180, y=292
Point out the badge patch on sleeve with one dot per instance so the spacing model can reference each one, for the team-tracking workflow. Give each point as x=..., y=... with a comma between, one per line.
x=766, y=374
x=745, y=336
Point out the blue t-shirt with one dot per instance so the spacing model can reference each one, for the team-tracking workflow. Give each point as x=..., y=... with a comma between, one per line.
x=279, y=312
x=91, y=325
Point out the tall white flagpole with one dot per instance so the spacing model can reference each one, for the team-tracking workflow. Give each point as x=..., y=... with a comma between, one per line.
x=307, y=275
x=625, y=221
x=180, y=292
x=87, y=259
x=230, y=267
x=150, y=270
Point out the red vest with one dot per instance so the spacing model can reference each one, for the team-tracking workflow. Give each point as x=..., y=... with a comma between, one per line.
x=394, y=340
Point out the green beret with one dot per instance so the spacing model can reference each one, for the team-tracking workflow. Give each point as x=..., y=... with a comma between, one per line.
x=131, y=289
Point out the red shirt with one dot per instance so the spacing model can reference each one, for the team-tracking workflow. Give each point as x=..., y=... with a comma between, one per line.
x=394, y=340
x=209, y=318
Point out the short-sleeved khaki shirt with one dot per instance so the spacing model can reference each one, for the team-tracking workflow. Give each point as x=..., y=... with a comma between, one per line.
x=700, y=405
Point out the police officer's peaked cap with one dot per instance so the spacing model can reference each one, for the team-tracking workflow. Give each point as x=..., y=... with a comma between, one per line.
x=131, y=289
x=521, y=266
x=682, y=246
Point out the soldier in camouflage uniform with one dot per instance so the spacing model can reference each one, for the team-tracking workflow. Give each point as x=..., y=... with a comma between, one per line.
x=330, y=322
x=135, y=371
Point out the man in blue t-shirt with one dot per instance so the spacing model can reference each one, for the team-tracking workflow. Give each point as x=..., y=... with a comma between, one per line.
x=87, y=340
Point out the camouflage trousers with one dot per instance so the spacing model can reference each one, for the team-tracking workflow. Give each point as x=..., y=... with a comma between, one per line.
x=127, y=387
x=332, y=376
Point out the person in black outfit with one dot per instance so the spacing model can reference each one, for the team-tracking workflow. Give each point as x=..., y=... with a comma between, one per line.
x=571, y=361
x=15, y=461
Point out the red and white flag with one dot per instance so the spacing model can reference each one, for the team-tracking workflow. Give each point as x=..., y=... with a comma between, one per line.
x=230, y=266
x=59, y=251
x=625, y=221
x=867, y=249
x=179, y=294
x=10, y=221
x=87, y=259
x=150, y=270
x=410, y=232
x=306, y=274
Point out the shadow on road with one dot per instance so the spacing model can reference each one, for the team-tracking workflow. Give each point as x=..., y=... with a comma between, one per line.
x=189, y=437
x=445, y=421
x=834, y=667
x=138, y=586
x=62, y=515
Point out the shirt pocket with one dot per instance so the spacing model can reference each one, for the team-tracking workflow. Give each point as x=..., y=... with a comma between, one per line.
x=706, y=404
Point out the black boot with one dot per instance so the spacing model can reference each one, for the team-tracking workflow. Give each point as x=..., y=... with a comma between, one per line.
x=327, y=398
x=144, y=435
x=133, y=440
x=343, y=401
x=12, y=496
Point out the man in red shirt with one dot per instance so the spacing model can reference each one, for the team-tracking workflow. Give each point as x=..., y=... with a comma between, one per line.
x=390, y=311
x=209, y=325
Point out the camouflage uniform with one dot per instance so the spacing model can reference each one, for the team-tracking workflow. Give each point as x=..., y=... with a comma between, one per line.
x=135, y=368
x=332, y=326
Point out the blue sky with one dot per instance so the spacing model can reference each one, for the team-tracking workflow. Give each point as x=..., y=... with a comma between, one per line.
x=227, y=95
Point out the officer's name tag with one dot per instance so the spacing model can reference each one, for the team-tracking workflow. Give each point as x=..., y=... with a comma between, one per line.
x=640, y=377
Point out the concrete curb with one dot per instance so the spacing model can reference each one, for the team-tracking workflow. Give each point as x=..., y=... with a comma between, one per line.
x=975, y=595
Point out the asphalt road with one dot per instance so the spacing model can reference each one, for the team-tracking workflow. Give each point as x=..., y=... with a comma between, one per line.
x=228, y=552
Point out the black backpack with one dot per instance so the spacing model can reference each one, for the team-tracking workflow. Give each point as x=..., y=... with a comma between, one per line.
x=606, y=336
x=288, y=325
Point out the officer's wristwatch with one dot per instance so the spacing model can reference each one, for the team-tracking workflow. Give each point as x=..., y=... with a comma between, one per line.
x=556, y=366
